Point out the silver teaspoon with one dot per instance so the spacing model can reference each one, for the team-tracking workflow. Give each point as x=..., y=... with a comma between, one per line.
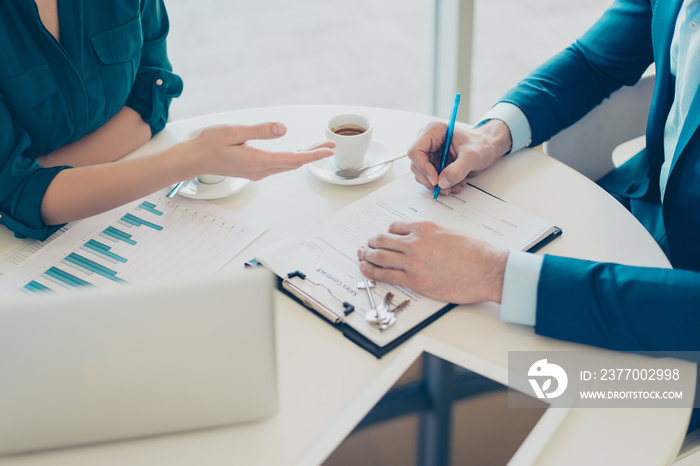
x=351, y=173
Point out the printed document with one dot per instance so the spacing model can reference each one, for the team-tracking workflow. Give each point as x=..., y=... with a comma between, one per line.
x=153, y=238
x=327, y=256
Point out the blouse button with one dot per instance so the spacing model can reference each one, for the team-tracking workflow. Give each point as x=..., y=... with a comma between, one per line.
x=693, y=25
x=159, y=82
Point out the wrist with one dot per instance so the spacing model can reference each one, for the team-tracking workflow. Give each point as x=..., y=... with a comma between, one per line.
x=187, y=159
x=498, y=133
x=495, y=280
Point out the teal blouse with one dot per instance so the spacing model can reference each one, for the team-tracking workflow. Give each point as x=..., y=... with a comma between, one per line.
x=112, y=54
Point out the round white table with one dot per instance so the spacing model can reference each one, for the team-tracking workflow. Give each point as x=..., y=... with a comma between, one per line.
x=321, y=373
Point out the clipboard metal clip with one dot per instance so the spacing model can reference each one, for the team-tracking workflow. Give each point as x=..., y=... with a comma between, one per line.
x=313, y=303
x=380, y=316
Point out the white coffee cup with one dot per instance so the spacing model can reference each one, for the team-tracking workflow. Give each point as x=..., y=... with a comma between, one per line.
x=205, y=179
x=352, y=135
x=210, y=179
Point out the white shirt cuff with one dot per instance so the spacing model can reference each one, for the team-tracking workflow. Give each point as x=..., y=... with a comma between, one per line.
x=519, y=299
x=515, y=119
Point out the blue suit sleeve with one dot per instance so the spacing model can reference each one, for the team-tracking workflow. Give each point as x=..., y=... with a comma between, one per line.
x=156, y=85
x=23, y=182
x=619, y=307
x=614, y=52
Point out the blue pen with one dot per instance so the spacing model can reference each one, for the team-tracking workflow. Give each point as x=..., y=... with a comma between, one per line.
x=448, y=141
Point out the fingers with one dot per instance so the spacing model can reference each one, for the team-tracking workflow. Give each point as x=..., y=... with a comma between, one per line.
x=426, y=173
x=390, y=257
x=384, y=258
x=293, y=160
x=429, y=142
x=226, y=150
x=421, y=177
x=381, y=274
x=456, y=189
x=382, y=265
x=311, y=155
x=401, y=228
x=388, y=241
x=240, y=134
x=324, y=144
x=267, y=160
x=457, y=171
x=387, y=250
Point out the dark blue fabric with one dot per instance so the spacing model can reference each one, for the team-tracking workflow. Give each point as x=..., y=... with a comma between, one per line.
x=607, y=305
x=619, y=307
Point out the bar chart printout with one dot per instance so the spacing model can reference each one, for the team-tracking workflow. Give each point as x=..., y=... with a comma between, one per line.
x=152, y=238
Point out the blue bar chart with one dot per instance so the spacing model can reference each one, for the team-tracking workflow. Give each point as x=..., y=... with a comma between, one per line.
x=130, y=219
x=76, y=270
x=90, y=267
x=150, y=207
x=115, y=234
x=156, y=237
x=102, y=250
x=36, y=287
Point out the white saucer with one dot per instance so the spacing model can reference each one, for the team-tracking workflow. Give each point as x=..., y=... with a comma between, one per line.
x=197, y=190
x=325, y=169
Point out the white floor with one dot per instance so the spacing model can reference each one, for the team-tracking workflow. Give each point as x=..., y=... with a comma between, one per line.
x=236, y=54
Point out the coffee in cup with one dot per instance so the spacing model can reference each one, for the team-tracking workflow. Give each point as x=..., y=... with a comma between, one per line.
x=352, y=135
x=349, y=130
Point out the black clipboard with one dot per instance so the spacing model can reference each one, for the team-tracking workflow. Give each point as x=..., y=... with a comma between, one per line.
x=283, y=284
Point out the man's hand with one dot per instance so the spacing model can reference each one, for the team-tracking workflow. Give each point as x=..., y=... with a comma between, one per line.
x=436, y=262
x=471, y=151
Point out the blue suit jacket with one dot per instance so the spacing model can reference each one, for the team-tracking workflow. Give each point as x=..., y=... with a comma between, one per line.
x=608, y=305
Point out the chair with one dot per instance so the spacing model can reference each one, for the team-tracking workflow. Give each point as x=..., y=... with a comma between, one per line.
x=587, y=146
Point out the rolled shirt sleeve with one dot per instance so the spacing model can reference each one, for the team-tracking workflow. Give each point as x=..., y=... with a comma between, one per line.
x=155, y=85
x=23, y=183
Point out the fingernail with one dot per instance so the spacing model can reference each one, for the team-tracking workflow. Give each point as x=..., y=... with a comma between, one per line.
x=278, y=129
x=444, y=184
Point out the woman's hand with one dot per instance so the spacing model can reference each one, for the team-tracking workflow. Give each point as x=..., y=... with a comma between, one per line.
x=225, y=150
x=221, y=150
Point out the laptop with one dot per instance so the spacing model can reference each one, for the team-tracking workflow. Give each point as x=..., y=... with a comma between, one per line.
x=136, y=360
